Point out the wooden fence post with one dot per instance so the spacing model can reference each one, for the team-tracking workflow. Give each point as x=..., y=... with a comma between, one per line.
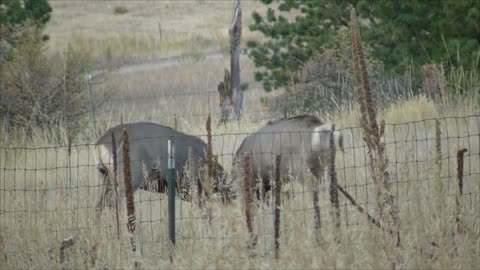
x=210, y=171
x=208, y=127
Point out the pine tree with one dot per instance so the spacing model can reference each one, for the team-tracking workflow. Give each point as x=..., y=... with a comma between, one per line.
x=17, y=17
x=16, y=12
x=400, y=33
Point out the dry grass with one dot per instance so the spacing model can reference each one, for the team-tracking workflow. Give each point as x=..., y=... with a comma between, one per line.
x=49, y=196
x=150, y=29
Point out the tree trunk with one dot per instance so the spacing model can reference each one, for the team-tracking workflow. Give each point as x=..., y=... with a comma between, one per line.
x=235, y=33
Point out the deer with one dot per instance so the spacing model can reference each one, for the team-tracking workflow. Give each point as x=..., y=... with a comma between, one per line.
x=148, y=151
x=303, y=141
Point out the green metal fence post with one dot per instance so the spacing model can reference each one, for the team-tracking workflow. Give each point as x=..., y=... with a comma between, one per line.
x=171, y=192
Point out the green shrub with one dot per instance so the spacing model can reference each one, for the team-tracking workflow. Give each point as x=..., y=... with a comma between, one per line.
x=44, y=93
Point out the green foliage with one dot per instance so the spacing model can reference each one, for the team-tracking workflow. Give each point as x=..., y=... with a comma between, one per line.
x=424, y=31
x=15, y=17
x=17, y=12
x=399, y=32
x=290, y=43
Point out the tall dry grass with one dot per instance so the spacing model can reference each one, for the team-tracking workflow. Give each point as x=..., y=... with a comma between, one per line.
x=47, y=197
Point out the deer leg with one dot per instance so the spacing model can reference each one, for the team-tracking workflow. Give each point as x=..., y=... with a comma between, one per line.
x=200, y=191
x=266, y=187
x=261, y=189
x=259, y=194
x=153, y=183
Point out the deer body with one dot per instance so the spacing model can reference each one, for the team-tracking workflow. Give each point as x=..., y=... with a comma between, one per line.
x=303, y=143
x=148, y=150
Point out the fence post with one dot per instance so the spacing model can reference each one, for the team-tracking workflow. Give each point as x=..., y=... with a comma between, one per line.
x=127, y=176
x=200, y=187
x=208, y=126
x=171, y=195
x=278, y=189
x=210, y=180
x=160, y=31
x=216, y=182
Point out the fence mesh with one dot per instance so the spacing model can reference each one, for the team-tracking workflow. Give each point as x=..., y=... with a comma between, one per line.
x=55, y=188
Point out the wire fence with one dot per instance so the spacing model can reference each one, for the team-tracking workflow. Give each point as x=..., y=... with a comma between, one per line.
x=56, y=187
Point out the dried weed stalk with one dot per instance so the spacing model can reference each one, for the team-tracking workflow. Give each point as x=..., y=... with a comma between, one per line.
x=252, y=242
x=276, y=218
x=373, y=134
x=438, y=168
x=333, y=183
x=66, y=243
x=115, y=185
x=127, y=176
x=458, y=216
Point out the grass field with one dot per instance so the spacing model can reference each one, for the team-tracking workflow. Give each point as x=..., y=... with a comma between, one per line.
x=148, y=30
x=47, y=191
